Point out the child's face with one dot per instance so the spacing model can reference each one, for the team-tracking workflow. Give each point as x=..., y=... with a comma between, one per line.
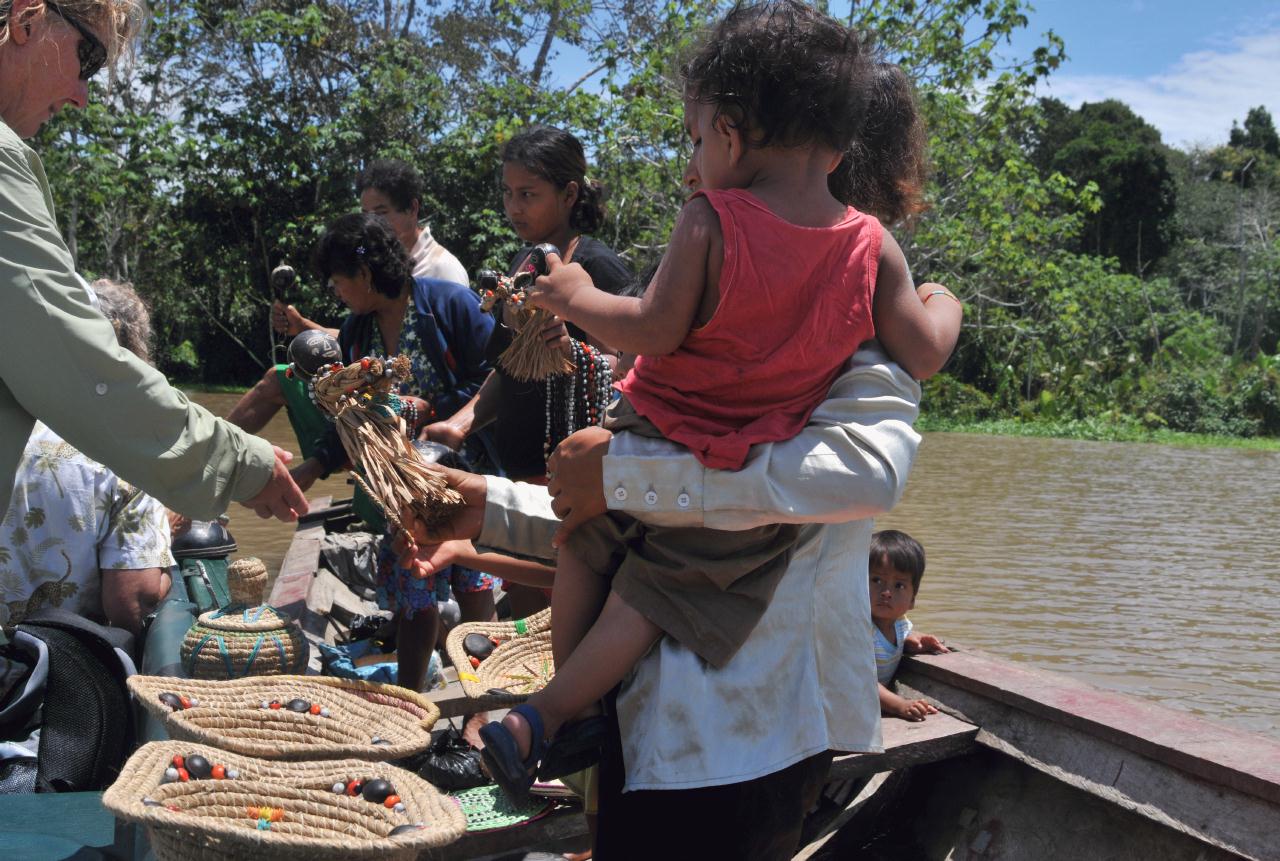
x=536, y=209
x=892, y=594
x=713, y=160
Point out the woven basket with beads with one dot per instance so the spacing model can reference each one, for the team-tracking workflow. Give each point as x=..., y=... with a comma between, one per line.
x=242, y=641
x=292, y=717
x=520, y=665
x=278, y=809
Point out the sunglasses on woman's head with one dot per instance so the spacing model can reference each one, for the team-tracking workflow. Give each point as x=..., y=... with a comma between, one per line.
x=90, y=50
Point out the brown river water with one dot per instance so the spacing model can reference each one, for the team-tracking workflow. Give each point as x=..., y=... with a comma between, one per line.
x=1146, y=569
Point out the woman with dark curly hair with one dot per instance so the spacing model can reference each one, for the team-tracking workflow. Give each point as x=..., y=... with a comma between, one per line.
x=438, y=324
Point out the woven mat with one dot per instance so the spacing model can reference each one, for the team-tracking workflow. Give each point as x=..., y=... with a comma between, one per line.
x=214, y=818
x=487, y=809
x=365, y=720
x=521, y=665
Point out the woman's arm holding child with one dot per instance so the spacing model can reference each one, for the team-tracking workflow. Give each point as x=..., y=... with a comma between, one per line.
x=918, y=334
x=682, y=290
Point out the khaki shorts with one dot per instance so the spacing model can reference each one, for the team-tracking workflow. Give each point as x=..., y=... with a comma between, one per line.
x=707, y=588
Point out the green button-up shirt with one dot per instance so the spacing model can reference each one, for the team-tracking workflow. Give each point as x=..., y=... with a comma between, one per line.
x=61, y=363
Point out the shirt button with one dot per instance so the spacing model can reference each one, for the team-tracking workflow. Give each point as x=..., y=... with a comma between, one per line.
x=100, y=388
x=651, y=498
x=620, y=494
x=683, y=500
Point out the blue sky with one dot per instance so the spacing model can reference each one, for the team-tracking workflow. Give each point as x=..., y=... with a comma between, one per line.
x=1188, y=69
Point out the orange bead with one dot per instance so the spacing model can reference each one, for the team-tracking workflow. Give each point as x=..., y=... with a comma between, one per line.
x=315, y=709
x=219, y=772
x=475, y=662
x=178, y=762
x=183, y=776
x=392, y=801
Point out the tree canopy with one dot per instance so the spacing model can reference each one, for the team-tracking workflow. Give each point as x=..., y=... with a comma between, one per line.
x=1103, y=273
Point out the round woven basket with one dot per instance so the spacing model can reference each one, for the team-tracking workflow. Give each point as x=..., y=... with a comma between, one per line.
x=247, y=580
x=364, y=720
x=222, y=819
x=520, y=665
x=243, y=641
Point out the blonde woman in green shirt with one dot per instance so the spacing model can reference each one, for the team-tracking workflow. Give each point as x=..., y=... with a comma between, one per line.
x=62, y=364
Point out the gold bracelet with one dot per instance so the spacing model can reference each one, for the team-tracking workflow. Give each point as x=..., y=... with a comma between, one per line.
x=933, y=293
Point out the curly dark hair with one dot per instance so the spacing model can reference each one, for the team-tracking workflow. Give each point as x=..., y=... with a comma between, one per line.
x=901, y=551
x=363, y=239
x=558, y=157
x=396, y=179
x=787, y=75
x=884, y=170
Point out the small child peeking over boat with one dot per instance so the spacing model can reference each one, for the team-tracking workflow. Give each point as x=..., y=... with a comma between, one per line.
x=896, y=566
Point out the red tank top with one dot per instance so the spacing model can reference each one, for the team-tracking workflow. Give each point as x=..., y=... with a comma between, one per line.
x=795, y=304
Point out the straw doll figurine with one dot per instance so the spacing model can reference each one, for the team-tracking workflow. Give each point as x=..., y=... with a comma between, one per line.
x=529, y=357
x=361, y=399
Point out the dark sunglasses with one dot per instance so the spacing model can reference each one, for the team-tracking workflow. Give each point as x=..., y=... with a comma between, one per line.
x=90, y=50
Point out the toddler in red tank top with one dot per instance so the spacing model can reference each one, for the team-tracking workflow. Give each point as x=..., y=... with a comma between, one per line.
x=770, y=282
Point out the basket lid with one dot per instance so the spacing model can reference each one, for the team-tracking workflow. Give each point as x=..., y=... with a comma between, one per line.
x=263, y=617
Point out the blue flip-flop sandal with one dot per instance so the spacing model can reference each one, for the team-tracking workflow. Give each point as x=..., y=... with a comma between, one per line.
x=576, y=746
x=501, y=754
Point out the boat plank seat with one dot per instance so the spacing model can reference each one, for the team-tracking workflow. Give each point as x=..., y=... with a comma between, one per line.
x=908, y=743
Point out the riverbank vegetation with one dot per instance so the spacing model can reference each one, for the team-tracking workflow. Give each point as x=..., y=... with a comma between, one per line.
x=1109, y=280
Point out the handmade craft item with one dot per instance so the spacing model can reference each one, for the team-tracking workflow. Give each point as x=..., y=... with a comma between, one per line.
x=279, y=809
x=361, y=399
x=517, y=663
x=247, y=580
x=529, y=357
x=292, y=717
x=240, y=641
x=487, y=808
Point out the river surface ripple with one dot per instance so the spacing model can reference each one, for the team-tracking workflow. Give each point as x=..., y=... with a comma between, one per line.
x=1146, y=569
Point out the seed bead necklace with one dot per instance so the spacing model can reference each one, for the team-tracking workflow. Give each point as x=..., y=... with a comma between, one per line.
x=577, y=399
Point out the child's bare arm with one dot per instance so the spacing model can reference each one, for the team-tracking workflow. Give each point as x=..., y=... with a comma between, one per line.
x=919, y=335
x=895, y=706
x=657, y=322
x=923, y=644
x=427, y=559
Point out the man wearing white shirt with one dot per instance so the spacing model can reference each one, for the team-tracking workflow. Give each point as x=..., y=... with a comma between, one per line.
x=736, y=753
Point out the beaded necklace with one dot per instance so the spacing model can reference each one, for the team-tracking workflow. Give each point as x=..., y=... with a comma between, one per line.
x=577, y=399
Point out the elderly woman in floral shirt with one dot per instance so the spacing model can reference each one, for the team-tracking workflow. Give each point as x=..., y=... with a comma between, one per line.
x=76, y=535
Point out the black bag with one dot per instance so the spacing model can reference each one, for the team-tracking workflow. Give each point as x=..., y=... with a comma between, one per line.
x=66, y=675
x=451, y=764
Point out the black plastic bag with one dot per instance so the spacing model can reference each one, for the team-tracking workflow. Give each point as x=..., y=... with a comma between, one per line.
x=451, y=764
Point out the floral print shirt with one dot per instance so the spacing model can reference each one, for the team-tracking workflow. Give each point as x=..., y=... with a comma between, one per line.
x=72, y=522
x=423, y=382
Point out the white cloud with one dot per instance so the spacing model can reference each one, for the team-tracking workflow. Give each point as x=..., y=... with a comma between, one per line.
x=1194, y=102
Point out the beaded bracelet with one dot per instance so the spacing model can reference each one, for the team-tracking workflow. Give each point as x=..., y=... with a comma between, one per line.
x=933, y=293
x=410, y=415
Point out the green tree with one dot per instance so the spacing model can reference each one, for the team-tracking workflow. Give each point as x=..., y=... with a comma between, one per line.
x=1110, y=146
x=1259, y=133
